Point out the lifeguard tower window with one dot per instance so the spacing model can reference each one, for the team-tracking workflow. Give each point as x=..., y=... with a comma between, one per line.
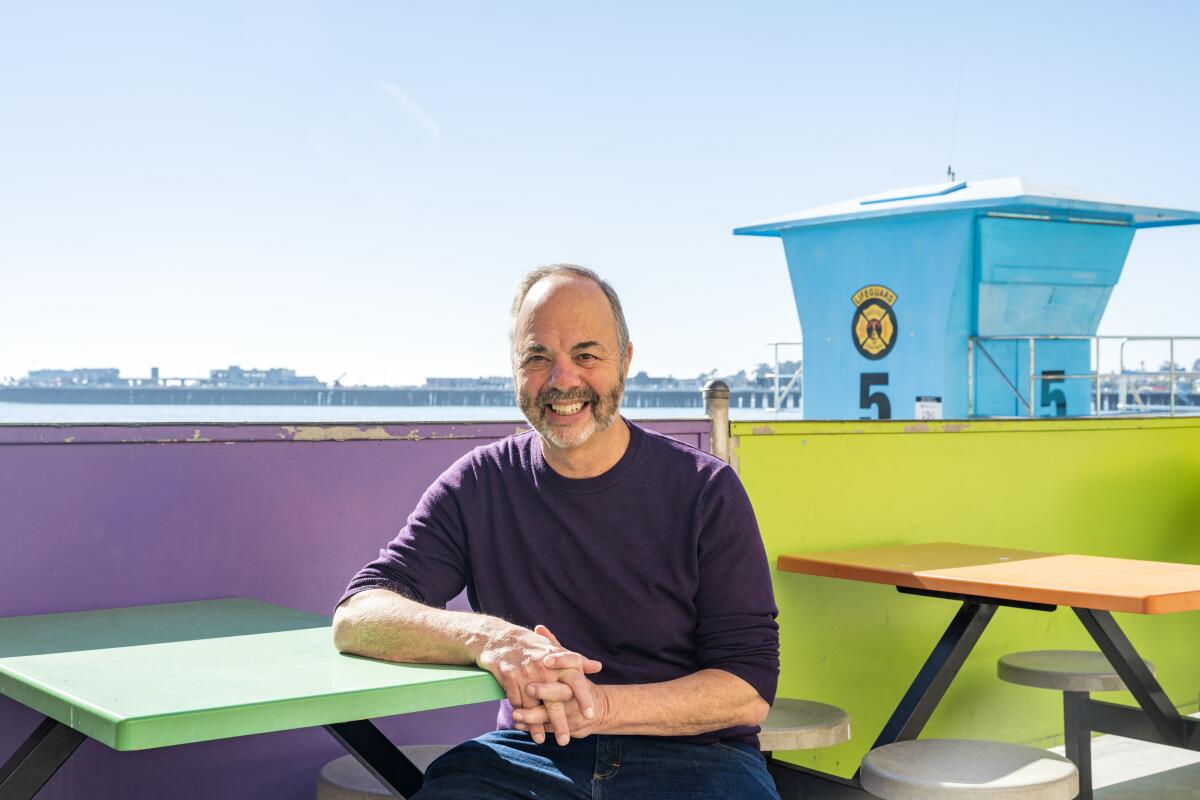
x=1042, y=278
x=983, y=295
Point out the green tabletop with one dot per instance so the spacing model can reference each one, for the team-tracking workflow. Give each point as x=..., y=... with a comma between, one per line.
x=152, y=676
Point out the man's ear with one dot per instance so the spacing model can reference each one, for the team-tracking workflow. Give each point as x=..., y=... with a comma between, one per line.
x=628, y=359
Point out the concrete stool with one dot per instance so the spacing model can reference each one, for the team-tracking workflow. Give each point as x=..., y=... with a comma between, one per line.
x=1075, y=673
x=803, y=725
x=1064, y=670
x=345, y=779
x=967, y=769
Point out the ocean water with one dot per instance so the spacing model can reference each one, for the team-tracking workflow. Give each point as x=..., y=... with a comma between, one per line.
x=66, y=413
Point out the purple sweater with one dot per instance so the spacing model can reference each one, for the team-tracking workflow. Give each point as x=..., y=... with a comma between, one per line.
x=656, y=567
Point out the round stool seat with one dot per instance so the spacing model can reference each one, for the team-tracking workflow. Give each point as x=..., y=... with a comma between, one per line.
x=1064, y=670
x=967, y=769
x=346, y=779
x=803, y=725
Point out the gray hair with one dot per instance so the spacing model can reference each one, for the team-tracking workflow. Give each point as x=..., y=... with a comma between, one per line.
x=535, y=275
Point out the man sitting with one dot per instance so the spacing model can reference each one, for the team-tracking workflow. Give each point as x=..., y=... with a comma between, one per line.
x=622, y=595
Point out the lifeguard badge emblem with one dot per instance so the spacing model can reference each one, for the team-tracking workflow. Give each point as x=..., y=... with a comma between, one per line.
x=874, y=328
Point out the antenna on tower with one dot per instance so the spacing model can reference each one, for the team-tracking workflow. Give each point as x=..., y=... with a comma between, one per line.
x=954, y=118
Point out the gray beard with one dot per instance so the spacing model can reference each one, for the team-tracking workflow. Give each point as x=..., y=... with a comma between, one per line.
x=602, y=413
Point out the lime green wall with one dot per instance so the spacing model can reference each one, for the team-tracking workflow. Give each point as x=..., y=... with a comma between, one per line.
x=1126, y=487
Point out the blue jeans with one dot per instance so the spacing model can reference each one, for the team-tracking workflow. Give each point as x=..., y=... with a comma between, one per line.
x=508, y=764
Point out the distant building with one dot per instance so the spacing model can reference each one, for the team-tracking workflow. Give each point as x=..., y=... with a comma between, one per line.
x=276, y=376
x=489, y=382
x=73, y=377
x=643, y=380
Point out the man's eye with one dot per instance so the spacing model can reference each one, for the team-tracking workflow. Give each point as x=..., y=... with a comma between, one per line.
x=534, y=358
x=586, y=357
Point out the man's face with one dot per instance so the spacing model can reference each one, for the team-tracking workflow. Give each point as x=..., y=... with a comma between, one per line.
x=568, y=367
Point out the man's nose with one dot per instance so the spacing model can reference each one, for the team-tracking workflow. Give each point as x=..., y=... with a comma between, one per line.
x=564, y=374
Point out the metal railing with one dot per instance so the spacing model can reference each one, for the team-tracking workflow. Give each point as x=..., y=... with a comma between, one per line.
x=976, y=343
x=794, y=380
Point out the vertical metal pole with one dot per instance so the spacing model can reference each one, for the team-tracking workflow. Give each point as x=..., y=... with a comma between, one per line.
x=775, y=405
x=1078, y=740
x=1099, y=397
x=970, y=377
x=800, y=383
x=716, y=408
x=1032, y=380
x=1172, y=341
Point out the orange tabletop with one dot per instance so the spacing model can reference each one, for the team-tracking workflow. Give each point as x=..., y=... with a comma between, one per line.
x=1030, y=576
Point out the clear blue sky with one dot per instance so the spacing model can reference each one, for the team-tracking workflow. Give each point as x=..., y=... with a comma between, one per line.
x=356, y=186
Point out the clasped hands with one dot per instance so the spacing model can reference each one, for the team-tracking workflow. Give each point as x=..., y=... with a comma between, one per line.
x=546, y=684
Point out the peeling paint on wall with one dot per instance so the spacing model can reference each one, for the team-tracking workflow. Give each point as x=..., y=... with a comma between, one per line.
x=946, y=427
x=197, y=437
x=204, y=433
x=343, y=433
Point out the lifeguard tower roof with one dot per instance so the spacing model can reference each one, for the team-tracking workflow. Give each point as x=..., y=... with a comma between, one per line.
x=1015, y=196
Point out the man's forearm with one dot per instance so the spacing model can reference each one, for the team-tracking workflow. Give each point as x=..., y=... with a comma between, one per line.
x=379, y=623
x=383, y=624
x=704, y=701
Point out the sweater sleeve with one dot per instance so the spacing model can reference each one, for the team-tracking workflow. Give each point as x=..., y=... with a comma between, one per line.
x=427, y=561
x=736, y=628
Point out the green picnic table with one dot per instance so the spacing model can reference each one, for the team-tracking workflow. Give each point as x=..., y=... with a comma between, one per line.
x=155, y=676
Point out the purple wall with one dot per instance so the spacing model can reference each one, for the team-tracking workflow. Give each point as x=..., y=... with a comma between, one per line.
x=102, y=516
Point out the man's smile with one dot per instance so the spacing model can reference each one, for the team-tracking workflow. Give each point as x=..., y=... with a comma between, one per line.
x=570, y=409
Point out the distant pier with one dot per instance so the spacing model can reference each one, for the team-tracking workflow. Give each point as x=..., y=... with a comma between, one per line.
x=741, y=397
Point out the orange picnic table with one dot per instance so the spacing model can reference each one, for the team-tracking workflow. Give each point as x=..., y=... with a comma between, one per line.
x=985, y=578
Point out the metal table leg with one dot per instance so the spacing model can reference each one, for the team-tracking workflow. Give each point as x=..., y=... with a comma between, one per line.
x=1157, y=720
x=914, y=710
x=1141, y=683
x=936, y=674
x=800, y=783
x=377, y=753
x=37, y=759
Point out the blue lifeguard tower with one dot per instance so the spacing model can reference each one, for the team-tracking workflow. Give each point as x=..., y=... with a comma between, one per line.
x=908, y=298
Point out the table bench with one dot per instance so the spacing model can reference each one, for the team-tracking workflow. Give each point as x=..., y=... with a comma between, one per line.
x=161, y=675
x=983, y=579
